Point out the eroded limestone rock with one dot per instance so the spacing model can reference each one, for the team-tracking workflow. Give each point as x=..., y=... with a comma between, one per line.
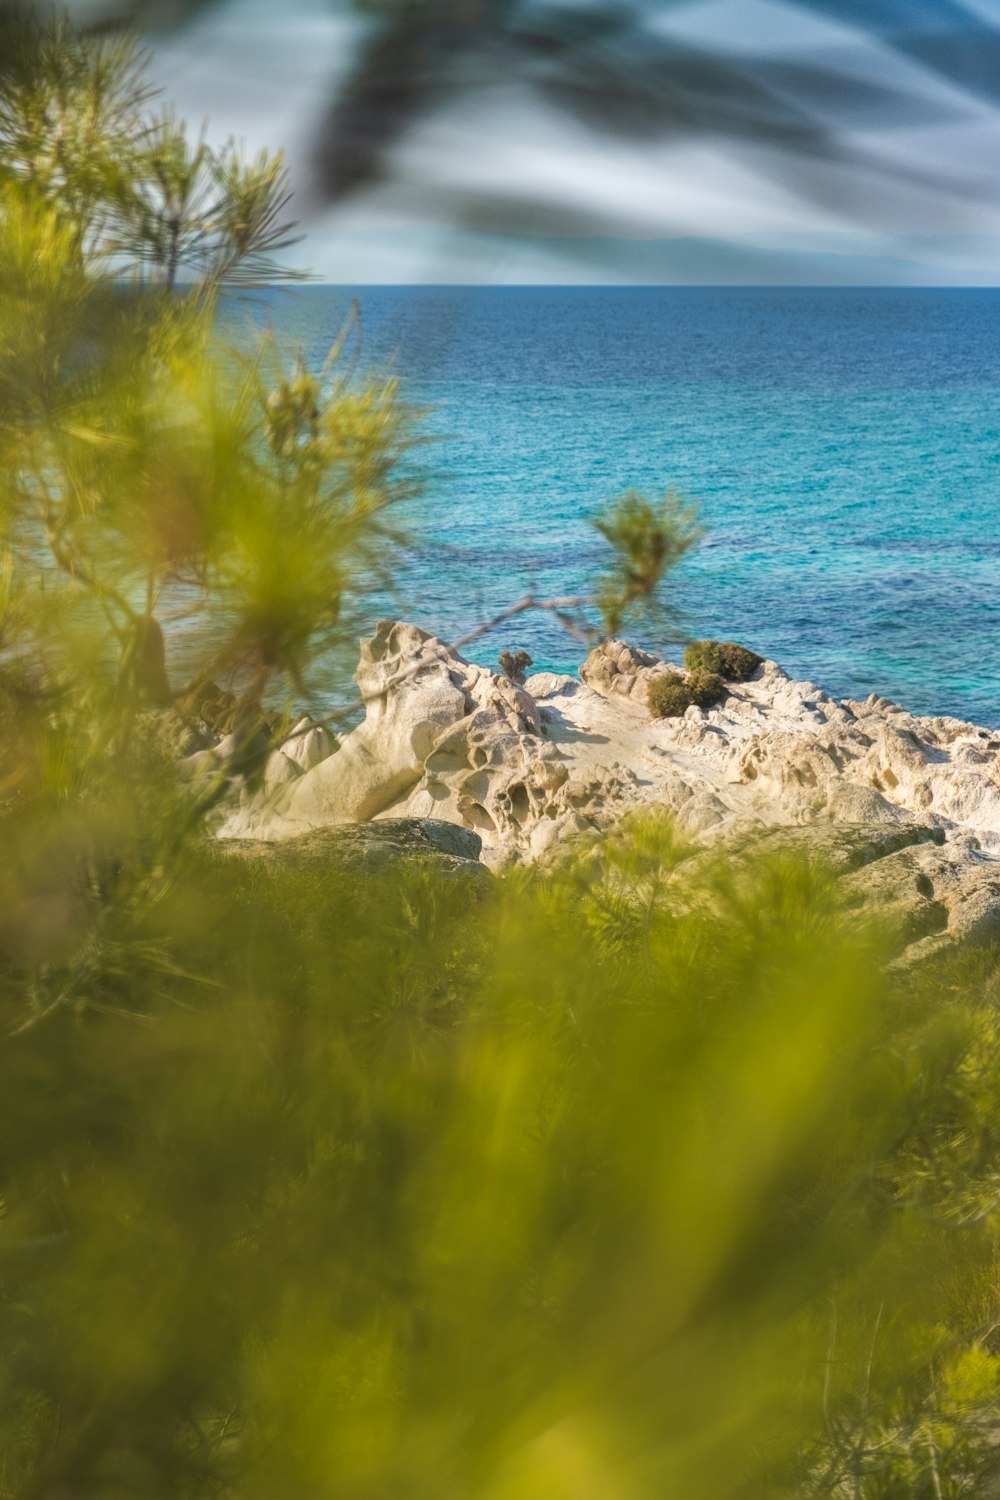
x=443, y=738
x=907, y=808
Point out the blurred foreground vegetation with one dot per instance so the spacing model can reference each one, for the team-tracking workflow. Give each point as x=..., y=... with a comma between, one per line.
x=622, y=1180
x=634, y=1179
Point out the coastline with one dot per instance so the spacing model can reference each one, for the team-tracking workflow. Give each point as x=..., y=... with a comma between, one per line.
x=907, y=808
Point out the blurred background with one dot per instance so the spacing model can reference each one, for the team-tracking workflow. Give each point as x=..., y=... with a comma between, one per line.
x=602, y=141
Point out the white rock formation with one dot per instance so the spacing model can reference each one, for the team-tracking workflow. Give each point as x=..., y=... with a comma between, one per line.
x=307, y=744
x=525, y=766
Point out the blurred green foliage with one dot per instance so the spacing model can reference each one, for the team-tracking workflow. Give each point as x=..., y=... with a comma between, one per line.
x=78, y=129
x=630, y=1179
x=633, y=1178
x=171, y=513
x=649, y=538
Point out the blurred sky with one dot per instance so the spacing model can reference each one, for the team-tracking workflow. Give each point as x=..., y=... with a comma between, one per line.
x=919, y=204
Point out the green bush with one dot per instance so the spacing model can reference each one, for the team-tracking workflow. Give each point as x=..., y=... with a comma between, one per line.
x=634, y=1178
x=670, y=695
x=706, y=689
x=732, y=662
x=703, y=656
x=739, y=663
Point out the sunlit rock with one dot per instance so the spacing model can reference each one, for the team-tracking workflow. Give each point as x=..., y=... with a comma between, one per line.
x=907, y=808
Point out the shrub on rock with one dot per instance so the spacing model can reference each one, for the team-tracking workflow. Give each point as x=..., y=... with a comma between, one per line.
x=672, y=694
x=728, y=660
x=703, y=656
x=739, y=663
x=668, y=696
x=706, y=689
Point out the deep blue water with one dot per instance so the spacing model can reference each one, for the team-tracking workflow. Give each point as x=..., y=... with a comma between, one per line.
x=843, y=447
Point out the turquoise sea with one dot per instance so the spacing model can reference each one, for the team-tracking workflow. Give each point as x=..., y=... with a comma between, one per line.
x=843, y=446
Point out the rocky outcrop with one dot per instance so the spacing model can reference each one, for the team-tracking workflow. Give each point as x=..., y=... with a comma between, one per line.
x=445, y=739
x=618, y=668
x=907, y=808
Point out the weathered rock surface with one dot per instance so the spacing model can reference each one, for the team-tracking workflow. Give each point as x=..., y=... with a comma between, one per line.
x=908, y=808
x=448, y=740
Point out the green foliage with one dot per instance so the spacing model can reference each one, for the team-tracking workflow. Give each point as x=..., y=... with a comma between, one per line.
x=577, y=1185
x=141, y=471
x=670, y=695
x=76, y=128
x=725, y=658
x=649, y=540
x=704, y=656
x=178, y=520
x=169, y=512
x=706, y=689
x=739, y=663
